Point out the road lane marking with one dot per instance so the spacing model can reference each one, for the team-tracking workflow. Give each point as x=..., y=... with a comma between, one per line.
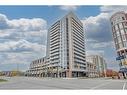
x=124, y=85
x=100, y=85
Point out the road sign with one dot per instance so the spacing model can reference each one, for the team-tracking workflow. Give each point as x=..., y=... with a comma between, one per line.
x=123, y=70
x=120, y=57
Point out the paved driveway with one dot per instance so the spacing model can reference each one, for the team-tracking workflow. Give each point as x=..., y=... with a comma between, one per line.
x=52, y=83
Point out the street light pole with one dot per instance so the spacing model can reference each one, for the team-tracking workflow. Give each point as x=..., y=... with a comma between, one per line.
x=58, y=71
x=17, y=69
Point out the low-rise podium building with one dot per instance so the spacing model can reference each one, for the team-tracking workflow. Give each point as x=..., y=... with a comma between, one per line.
x=100, y=64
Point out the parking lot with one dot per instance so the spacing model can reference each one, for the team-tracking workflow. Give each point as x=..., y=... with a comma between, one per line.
x=62, y=83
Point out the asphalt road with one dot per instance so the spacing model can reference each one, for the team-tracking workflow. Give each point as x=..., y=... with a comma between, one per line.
x=65, y=83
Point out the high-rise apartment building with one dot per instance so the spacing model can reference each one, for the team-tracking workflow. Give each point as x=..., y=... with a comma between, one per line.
x=119, y=32
x=66, y=48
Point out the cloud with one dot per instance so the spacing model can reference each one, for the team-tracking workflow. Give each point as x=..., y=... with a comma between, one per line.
x=3, y=22
x=113, y=65
x=98, y=45
x=23, y=29
x=98, y=27
x=31, y=36
x=21, y=59
x=68, y=8
x=92, y=52
x=21, y=46
x=22, y=40
x=112, y=9
x=99, y=34
x=24, y=24
x=39, y=36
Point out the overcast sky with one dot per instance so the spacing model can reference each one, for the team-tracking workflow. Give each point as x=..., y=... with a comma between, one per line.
x=23, y=32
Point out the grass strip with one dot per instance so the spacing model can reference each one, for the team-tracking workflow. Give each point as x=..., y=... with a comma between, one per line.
x=2, y=80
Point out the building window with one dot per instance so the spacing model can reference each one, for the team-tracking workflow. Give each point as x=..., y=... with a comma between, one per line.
x=115, y=40
x=123, y=37
x=120, y=45
x=113, y=29
x=112, y=23
x=120, y=25
x=125, y=23
x=118, y=18
x=114, y=35
x=122, y=32
x=119, y=39
x=126, y=30
x=117, y=33
x=117, y=46
x=126, y=35
x=116, y=27
x=123, y=18
x=125, y=44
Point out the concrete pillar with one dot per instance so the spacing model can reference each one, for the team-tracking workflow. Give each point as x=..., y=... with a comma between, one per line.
x=69, y=74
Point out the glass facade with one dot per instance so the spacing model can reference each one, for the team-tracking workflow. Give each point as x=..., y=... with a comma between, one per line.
x=70, y=42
